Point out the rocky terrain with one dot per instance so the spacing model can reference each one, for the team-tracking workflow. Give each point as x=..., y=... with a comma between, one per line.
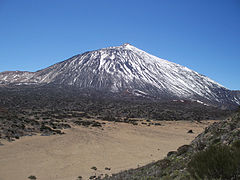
x=29, y=110
x=217, y=148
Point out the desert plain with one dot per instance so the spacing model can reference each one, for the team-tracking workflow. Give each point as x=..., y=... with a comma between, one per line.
x=86, y=152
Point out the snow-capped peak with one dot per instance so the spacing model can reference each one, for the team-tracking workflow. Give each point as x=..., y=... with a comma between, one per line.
x=126, y=45
x=126, y=67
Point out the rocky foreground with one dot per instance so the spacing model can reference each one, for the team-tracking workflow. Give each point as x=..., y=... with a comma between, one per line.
x=216, y=149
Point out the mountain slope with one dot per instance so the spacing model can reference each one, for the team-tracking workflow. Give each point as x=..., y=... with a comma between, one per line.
x=126, y=68
x=15, y=76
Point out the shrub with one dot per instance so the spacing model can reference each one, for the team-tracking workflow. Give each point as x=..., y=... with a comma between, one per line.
x=236, y=145
x=216, y=162
x=79, y=178
x=32, y=177
x=238, y=109
x=94, y=168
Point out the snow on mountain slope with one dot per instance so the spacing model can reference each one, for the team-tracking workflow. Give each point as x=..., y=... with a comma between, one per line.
x=128, y=68
x=15, y=76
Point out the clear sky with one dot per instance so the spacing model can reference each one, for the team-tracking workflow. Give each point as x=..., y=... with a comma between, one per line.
x=203, y=35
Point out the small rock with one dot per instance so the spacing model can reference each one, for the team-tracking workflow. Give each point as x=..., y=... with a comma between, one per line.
x=190, y=131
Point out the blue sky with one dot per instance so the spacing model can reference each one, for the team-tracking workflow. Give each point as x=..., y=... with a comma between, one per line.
x=203, y=35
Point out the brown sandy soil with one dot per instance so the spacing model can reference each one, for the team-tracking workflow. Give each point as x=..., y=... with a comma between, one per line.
x=119, y=146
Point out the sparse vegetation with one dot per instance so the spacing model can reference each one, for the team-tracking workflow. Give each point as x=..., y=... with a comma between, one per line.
x=216, y=162
x=107, y=168
x=92, y=177
x=214, y=154
x=27, y=110
x=32, y=177
x=79, y=178
x=94, y=168
x=49, y=111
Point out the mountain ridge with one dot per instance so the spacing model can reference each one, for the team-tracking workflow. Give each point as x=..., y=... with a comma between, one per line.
x=126, y=67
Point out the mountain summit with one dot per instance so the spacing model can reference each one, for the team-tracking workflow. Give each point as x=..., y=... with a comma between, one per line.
x=127, y=68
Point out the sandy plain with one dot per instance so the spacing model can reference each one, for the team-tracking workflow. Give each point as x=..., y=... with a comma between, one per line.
x=119, y=146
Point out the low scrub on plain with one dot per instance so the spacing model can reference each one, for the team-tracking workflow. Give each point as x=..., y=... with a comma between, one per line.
x=216, y=162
